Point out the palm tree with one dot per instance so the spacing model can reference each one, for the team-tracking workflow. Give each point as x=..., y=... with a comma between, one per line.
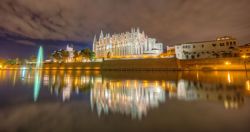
x=56, y=56
x=85, y=53
x=76, y=56
x=64, y=55
x=92, y=55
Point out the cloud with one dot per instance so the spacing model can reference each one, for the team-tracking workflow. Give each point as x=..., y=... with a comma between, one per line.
x=170, y=21
x=25, y=42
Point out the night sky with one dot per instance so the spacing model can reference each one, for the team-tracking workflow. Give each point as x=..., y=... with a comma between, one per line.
x=26, y=24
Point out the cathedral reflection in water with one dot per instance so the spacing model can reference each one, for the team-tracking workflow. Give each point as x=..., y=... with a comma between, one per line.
x=135, y=97
x=129, y=97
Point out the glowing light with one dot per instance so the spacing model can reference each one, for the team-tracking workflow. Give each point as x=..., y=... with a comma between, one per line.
x=70, y=68
x=197, y=75
x=227, y=63
x=39, y=65
x=14, y=78
x=228, y=77
x=39, y=62
x=244, y=56
x=1, y=66
x=37, y=85
x=78, y=68
x=62, y=68
x=156, y=83
x=145, y=82
x=97, y=68
x=127, y=83
x=23, y=70
x=248, y=85
x=226, y=104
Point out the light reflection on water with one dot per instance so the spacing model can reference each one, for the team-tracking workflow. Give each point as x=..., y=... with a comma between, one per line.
x=124, y=95
x=132, y=94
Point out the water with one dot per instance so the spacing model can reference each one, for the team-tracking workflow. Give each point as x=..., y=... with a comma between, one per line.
x=75, y=100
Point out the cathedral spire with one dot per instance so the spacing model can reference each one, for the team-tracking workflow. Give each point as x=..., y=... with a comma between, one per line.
x=101, y=35
x=132, y=30
x=138, y=30
x=94, y=43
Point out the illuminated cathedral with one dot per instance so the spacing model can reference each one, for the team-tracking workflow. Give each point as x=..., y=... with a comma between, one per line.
x=134, y=43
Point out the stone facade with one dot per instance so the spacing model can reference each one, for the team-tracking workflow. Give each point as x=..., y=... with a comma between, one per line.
x=221, y=47
x=134, y=43
x=245, y=50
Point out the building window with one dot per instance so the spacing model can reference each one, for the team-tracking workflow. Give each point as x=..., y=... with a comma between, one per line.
x=214, y=45
x=193, y=46
x=231, y=43
x=234, y=43
x=227, y=43
x=221, y=44
x=202, y=46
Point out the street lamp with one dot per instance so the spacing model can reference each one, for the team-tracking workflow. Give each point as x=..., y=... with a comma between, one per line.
x=244, y=57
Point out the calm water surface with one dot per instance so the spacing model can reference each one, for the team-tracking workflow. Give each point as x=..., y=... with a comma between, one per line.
x=72, y=100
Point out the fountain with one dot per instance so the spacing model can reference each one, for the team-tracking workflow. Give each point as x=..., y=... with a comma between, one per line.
x=39, y=61
x=38, y=73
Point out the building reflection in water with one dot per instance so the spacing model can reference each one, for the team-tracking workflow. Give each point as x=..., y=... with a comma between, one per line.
x=230, y=95
x=126, y=97
x=135, y=97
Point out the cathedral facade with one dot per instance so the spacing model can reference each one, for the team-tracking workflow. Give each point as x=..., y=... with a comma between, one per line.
x=134, y=43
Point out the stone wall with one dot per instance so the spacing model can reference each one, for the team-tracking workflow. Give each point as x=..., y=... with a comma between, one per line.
x=235, y=63
x=141, y=64
x=153, y=64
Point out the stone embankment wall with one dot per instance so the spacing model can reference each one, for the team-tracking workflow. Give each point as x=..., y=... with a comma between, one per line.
x=151, y=64
x=215, y=64
x=141, y=64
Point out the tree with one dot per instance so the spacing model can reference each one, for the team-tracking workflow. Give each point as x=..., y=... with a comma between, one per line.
x=56, y=56
x=85, y=53
x=64, y=55
x=76, y=56
x=92, y=55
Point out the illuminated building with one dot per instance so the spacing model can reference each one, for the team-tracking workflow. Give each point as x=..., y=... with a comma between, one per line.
x=245, y=49
x=134, y=43
x=221, y=47
x=170, y=53
x=70, y=50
